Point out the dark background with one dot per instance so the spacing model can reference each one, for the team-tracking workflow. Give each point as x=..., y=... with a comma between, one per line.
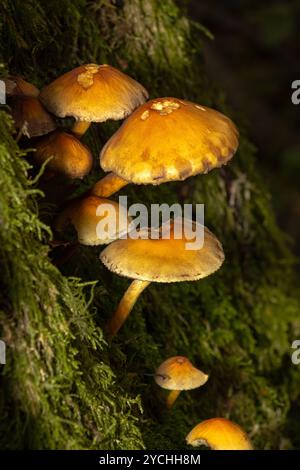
x=237, y=325
x=255, y=57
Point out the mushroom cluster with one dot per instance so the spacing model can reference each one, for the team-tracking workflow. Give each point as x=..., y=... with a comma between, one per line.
x=89, y=93
x=161, y=140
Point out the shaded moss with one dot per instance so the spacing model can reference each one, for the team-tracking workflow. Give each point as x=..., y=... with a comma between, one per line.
x=57, y=387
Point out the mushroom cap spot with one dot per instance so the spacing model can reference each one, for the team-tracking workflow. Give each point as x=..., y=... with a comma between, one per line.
x=166, y=111
x=178, y=373
x=70, y=157
x=16, y=85
x=162, y=259
x=85, y=79
x=85, y=215
x=93, y=93
x=157, y=106
x=29, y=113
x=164, y=106
x=174, y=131
x=145, y=115
x=219, y=434
x=92, y=68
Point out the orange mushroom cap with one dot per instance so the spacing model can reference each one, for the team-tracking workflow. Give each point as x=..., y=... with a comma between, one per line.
x=219, y=434
x=70, y=157
x=83, y=216
x=16, y=85
x=93, y=93
x=164, y=259
x=30, y=116
x=169, y=139
x=178, y=373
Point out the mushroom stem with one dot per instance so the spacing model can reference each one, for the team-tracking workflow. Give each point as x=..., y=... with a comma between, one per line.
x=172, y=397
x=108, y=185
x=80, y=127
x=125, y=306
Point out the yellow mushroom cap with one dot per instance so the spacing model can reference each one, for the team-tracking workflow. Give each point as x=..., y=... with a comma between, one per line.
x=93, y=93
x=16, y=85
x=30, y=115
x=83, y=216
x=163, y=260
x=167, y=139
x=70, y=157
x=178, y=373
x=219, y=434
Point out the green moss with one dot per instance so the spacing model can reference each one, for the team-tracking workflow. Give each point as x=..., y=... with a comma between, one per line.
x=63, y=386
x=58, y=389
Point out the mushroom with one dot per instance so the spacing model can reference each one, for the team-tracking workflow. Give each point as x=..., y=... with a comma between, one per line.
x=219, y=434
x=71, y=158
x=166, y=139
x=178, y=373
x=30, y=116
x=86, y=214
x=16, y=85
x=158, y=260
x=93, y=93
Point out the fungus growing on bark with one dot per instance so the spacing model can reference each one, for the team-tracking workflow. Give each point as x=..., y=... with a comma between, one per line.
x=16, y=85
x=219, y=434
x=166, y=139
x=70, y=157
x=30, y=117
x=86, y=214
x=93, y=93
x=177, y=374
x=158, y=260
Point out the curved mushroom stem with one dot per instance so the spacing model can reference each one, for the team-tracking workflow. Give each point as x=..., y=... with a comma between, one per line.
x=108, y=185
x=125, y=306
x=80, y=127
x=172, y=397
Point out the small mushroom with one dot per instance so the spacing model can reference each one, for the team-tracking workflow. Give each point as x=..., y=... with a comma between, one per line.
x=86, y=214
x=166, y=139
x=93, y=93
x=177, y=374
x=70, y=157
x=16, y=85
x=158, y=260
x=30, y=116
x=219, y=434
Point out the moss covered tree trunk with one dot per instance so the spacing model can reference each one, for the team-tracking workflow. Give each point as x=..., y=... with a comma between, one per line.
x=63, y=386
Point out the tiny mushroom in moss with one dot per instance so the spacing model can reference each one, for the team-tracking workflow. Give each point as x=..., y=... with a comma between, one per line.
x=158, y=260
x=30, y=116
x=177, y=374
x=97, y=221
x=70, y=157
x=219, y=434
x=93, y=93
x=166, y=139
